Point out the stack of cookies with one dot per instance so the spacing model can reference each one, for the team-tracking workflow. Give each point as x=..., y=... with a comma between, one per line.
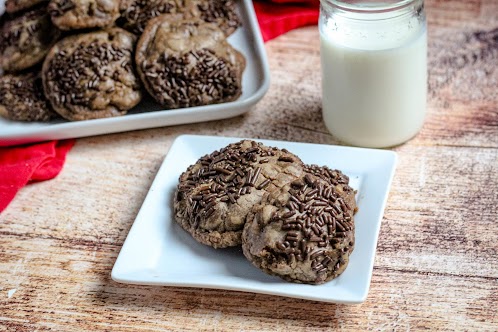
x=293, y=220
x=89, y=59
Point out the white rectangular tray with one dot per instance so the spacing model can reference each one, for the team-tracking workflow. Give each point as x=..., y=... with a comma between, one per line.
x=157, y=251
x=148, y=114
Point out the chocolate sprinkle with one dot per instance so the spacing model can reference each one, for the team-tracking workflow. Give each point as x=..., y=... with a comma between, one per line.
x=225, y=175
x=221, y=12
x=23, y=98
x=138, y=13
x=325, y=220
x=196, y=78
x=24, y=36
x=79, y=77
x=334, y=177
x=12, y=30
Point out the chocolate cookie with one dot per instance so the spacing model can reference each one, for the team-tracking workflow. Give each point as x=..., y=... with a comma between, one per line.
x=22, y=98
x=188, y=63
x=221, y=12
x=91, y=75
x=304, y=232
x=135, y=14
x=83, y=14
x=14, y=6
x=215, y=195
x=25, y=39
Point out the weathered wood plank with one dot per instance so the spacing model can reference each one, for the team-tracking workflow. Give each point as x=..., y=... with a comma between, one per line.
x=424, y=234
x=73, y=292
x=436, y=266
x=441, y=214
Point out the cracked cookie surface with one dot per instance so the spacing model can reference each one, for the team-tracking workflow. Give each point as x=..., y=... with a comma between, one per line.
x=83, y=14
x=92, y=76
x=187, y=63
x=135, y=14
x=14, y=6
x=22, y=98
x=215, y=194
x=223, y=13
x=25, y=39
x=303, y=232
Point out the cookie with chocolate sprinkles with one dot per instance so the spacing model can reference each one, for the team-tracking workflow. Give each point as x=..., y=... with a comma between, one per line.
x=135, y=14
x=83, y=14
x=25, y=39
x=14, y=6
x=223, y=13
x=304, y=232
x=92, y=76
x=215, y=194
x=186, y=63
x=22, y=98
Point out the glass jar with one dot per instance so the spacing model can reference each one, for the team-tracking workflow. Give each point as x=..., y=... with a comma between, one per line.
x=374, y=70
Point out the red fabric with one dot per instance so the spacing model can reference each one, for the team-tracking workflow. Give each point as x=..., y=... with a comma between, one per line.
x=279, y=16
x=39, y=162
x=29, y=163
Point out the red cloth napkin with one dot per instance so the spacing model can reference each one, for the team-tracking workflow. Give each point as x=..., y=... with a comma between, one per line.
x=276, y=17
x=29, y=163
x=39, y=162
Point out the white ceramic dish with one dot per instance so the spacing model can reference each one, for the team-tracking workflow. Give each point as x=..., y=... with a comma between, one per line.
x=158, y=251
x=148, y=114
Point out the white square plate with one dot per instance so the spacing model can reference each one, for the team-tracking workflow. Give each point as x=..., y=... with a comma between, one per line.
x=158, y=251
x=148, y=114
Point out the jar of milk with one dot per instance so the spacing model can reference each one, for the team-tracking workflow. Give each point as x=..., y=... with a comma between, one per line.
x=374, y=70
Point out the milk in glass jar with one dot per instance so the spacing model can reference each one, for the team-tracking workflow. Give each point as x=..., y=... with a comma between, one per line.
x=374, y=70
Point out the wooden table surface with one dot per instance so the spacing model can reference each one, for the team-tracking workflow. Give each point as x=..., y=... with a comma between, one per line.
x=437, y=258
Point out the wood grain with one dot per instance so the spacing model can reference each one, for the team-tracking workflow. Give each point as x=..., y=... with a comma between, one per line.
x=437, y=258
